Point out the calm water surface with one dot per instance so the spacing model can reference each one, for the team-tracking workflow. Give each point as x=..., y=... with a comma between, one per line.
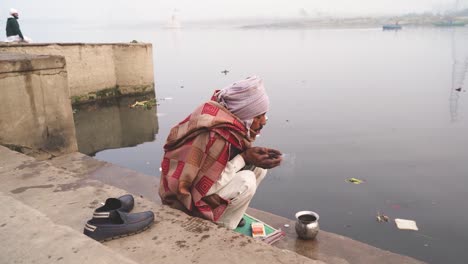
x=378, y=106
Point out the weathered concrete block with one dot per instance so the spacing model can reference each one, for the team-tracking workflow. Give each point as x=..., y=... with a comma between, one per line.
x=99, y=70
x=134, y=68
x=35, y=109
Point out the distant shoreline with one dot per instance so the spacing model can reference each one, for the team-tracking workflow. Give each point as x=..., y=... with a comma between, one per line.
x=361, y=22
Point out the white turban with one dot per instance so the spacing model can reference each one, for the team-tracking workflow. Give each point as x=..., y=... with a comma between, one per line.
x=246, y=99
x=13, y=11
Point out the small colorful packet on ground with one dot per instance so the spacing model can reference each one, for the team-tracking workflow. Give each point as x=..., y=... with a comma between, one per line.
x=258, y=230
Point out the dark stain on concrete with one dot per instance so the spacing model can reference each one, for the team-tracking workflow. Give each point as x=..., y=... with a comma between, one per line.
x=243, y=244
x=3, y=225
x=28, y=164
x=27, y=68
x=196, y=225
x=55, y=140
x=60, y=258
x=204, y=237
x=22, y=189
x=173, y=213
x=181, y=244
x=76, y=185
x=155, y=237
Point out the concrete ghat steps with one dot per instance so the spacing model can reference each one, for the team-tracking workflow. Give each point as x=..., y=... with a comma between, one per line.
x=28, y=236
x=50, y=206
x=328, y=247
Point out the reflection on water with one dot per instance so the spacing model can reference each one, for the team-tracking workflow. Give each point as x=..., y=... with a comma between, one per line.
x=113, y=124
x=459, y=69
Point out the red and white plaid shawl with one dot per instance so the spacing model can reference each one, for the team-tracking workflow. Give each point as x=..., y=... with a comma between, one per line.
x=196, y=153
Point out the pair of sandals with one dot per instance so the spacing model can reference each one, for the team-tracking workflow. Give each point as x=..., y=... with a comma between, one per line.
x=114, y=220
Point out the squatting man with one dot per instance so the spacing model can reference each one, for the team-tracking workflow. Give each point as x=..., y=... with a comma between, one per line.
x=210, y=168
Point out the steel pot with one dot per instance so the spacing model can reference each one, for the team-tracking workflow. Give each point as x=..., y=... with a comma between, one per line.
x=307, y=225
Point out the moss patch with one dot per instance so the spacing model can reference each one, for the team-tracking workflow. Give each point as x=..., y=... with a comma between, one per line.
x=101, y=94
x=111, y=93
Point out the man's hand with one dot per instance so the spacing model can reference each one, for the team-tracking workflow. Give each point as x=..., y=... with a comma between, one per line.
x=262, y=157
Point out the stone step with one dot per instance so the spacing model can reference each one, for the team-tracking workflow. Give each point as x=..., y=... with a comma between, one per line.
x=28, y=236
x=69, y=198
x=328, y=247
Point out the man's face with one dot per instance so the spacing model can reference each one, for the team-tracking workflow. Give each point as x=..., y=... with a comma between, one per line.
x=257, y=125
x=16, y=15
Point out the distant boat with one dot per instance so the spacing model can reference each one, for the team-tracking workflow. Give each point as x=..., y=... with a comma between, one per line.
x=392, y=27
x=173, y=22
x=449, y=23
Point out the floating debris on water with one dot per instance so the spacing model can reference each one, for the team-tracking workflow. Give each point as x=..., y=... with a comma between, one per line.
x=381, y=217
x=148, y=104
x=355, y=180
x=406, y=224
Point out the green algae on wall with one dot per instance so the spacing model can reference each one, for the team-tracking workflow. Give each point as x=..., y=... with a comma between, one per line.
x=109, y=93
x=101, y=94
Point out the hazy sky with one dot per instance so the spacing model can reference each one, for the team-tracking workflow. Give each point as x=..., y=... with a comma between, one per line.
x=214, y=9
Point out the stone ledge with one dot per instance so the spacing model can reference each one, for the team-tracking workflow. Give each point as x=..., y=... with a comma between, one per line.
x=16, y=62
x=13, y=44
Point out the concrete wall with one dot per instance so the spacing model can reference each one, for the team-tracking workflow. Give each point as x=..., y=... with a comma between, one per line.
x=134, y=67
x=96, y=70
x=35, y=108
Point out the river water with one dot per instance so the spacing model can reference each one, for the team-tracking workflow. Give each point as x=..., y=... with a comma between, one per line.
x=380, y=106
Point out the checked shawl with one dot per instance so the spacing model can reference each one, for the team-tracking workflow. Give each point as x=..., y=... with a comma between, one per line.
x=196, y=153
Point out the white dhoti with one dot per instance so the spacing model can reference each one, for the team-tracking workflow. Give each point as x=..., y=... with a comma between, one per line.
x=16, y=38
x=237, y=186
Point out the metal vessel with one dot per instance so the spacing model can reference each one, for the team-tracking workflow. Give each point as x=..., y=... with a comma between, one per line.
x=307, y=225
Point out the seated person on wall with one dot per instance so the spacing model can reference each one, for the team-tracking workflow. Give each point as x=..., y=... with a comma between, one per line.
x=13, y=30
x=209, y=168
